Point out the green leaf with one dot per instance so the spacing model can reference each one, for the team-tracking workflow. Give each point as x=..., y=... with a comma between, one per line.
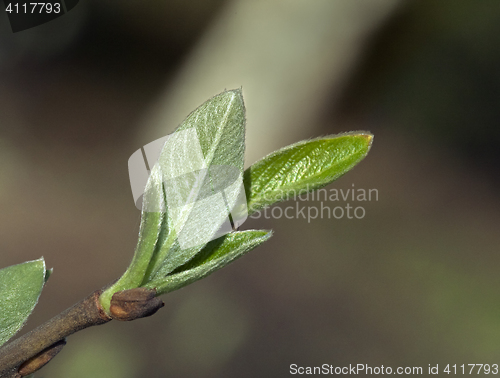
x=303, y=167
x=20, y=288
x=203, y=154
x=152, y=224
x=216, y=254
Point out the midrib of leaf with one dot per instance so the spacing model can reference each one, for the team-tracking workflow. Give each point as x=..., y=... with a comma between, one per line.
x=286, y=187
x=309, y=178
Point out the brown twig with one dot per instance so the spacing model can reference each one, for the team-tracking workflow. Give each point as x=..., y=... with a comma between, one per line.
x=30, y=352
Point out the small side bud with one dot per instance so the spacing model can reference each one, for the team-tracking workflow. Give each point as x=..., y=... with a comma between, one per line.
x=41, y=359
x=133, y=304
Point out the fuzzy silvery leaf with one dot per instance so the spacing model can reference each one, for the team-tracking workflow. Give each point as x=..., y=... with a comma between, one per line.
x=303, y=167
x=203, y=155
x=215, y=255
x=20, y=288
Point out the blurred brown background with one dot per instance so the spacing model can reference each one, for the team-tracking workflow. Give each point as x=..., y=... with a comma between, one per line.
x=413, y=283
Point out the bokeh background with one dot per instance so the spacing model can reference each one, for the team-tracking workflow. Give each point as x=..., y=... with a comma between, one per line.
x=415, y=282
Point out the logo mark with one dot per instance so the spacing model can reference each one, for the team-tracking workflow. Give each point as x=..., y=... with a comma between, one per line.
x=25, y=14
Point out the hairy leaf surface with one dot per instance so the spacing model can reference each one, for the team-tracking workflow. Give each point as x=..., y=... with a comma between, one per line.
x=20, y=288
x=211, y=136
x=216, y=254
x=303, y=167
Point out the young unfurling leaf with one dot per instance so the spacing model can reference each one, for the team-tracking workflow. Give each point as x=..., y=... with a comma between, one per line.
x=216, y=255
x=303, y=166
